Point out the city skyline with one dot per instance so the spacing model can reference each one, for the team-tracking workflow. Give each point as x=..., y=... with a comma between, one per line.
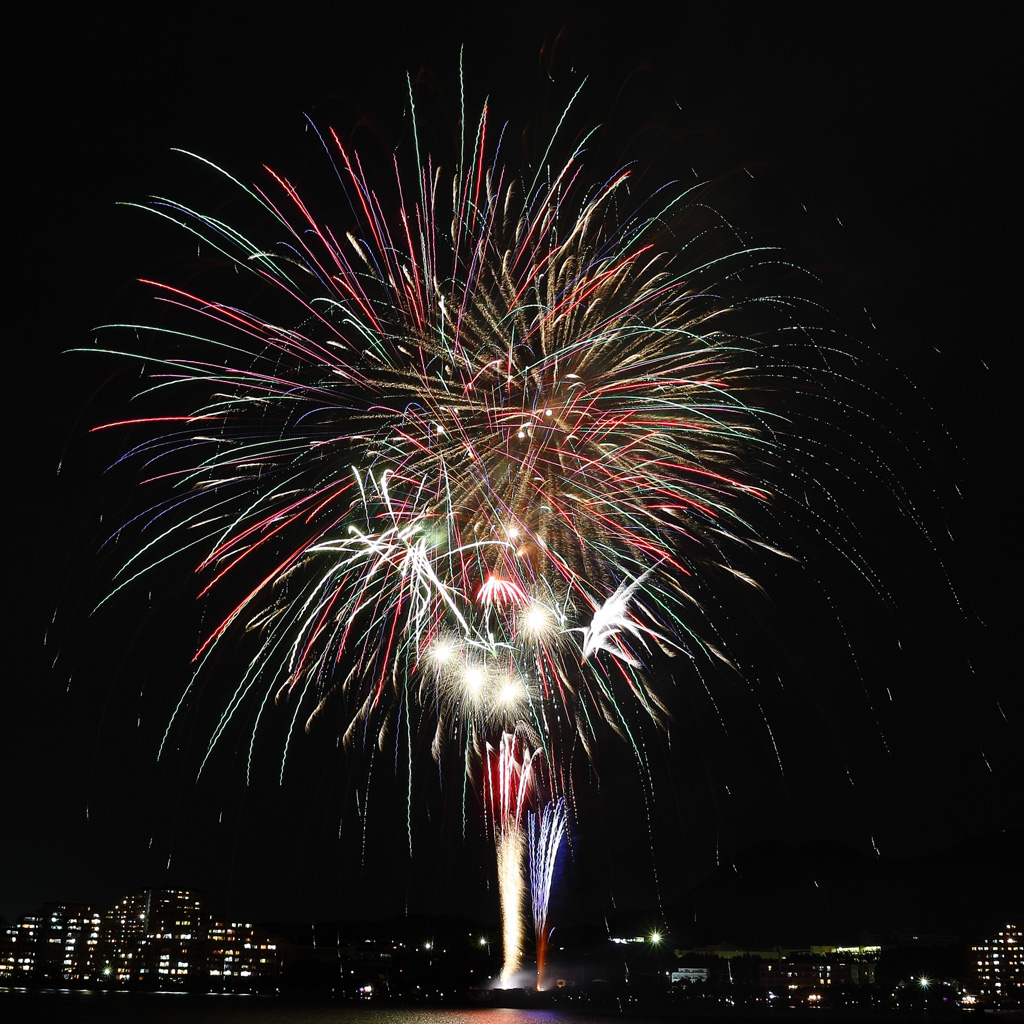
x=167, y=940
x=934, y=767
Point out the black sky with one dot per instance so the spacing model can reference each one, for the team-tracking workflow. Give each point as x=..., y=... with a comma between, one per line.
x=878, y=147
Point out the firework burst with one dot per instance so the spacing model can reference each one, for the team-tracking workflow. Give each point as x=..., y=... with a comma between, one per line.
x=507, y=433
x=477, y=478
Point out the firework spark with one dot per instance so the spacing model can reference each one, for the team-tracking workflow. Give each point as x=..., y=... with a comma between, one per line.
x=510, y=783
x=510, y=429
x=473, y=482
x=547, y=830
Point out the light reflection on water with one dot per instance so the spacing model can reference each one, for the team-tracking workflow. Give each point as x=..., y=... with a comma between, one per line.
x=66, y=1006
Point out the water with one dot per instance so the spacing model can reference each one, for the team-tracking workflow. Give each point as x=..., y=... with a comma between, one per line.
x=64, y=1006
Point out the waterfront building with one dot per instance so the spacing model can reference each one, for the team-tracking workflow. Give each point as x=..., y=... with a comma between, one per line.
x=995, y=970
x=60, y=943
x=239, y=951
x=154, y=938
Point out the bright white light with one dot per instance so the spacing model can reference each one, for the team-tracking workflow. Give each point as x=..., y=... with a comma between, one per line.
x=442, y=651
x=510, y=692
x=511, y=886
x=536, y=618
x=473, y=680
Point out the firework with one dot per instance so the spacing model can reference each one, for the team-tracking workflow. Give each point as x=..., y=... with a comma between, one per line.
x=475, y=481
x=510, y=781
x=547, y=831
x=507, y=433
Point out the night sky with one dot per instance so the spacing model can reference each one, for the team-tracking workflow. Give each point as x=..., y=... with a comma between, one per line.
x=876, y=150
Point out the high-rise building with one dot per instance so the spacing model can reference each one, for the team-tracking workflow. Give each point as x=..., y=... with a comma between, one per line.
x=995, y=969
x=156, y=936
x=240, y=951
x=60, y=943
x=19, y=957
x=164, y=938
